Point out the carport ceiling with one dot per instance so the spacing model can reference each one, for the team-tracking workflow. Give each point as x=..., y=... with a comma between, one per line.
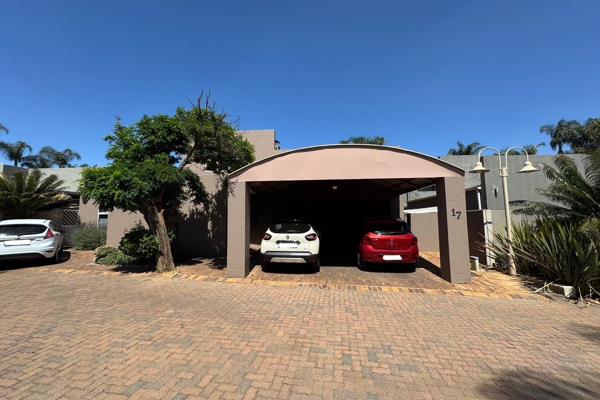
x=362, y=187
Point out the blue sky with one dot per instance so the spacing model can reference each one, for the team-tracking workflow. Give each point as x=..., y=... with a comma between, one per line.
x=424, y=74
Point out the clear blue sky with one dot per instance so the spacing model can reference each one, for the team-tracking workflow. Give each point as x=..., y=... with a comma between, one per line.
x=424, y=74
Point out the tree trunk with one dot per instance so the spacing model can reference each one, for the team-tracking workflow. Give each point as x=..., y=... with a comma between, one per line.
x=156, y=222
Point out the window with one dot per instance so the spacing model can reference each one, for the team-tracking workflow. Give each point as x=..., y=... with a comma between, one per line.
x=102, y=219
x=289, y=227
x=388, y=228
x=19, y=230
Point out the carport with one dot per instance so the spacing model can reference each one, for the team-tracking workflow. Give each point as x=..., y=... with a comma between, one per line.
x=337, y=188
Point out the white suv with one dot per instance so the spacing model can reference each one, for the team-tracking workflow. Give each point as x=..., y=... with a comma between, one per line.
x=290, y=242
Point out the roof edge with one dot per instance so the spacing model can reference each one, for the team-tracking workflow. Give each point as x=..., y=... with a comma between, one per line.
x=435, y=160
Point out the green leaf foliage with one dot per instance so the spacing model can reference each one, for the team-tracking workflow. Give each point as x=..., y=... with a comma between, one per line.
x=88, y=237
x=140, y=245
x=380, y=140
x=148, y=160
x=465, y=150
x=22, y=194
x=556, y=251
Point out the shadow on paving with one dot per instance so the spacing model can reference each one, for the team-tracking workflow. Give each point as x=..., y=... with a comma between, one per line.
x=8, y=265
x=534, y=385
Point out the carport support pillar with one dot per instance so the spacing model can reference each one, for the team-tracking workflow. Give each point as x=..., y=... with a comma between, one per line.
x=452, y=226
x=238, y=230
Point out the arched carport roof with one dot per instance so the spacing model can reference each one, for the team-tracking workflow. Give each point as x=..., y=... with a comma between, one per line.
x=346, y=162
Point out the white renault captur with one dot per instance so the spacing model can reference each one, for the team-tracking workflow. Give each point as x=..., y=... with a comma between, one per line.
x=22, y=239
x=290, y=242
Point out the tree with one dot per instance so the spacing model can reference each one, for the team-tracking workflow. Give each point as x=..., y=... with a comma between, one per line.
x=465, y=150
x=62, y=159
x=21, y=194
x=48, y=157
x=580, y=137
x=380, y=140
x=575, y=196
x=148, y=170
x=3, y=128
x=531, y=149
x=15, y=152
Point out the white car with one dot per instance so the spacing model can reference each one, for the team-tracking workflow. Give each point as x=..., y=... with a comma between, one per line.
x=22, y=239
x=290, y=242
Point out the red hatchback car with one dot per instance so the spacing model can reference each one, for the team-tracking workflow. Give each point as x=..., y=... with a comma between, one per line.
x=388, y=241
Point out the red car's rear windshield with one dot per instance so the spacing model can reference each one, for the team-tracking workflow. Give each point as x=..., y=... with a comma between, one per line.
x=388, y=228
x=289, y=227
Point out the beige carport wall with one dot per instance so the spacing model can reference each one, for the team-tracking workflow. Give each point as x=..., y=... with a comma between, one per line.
x=355, y=162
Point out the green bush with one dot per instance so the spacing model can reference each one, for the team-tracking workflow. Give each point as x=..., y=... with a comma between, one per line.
x=558, y=252
x=88, y=237
x=140, y=245
x=107, y=255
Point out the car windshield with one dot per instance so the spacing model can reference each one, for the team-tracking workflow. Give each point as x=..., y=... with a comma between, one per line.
x=388, y=228
x=21, y=229
x=289, y=227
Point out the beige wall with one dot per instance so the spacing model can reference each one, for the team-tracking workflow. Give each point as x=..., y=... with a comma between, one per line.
x=88, y=212
x=425, y=228
x=263, y=142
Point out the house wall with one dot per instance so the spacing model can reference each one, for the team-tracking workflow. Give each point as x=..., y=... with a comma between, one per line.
x=425, y=228
x=199, y=231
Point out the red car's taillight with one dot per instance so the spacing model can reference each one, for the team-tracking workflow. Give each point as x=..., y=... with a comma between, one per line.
x=49, y=234
x=311, y=236
x=414, y=241
x=366, y=240
x=267, y=237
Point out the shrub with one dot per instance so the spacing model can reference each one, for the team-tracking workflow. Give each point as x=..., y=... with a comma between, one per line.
x=107, y=255
x=558, y=252
x=140, y=245
x=88, y=237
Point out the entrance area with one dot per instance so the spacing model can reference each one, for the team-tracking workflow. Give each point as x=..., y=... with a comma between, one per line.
x=338, y=210
x=338, y=189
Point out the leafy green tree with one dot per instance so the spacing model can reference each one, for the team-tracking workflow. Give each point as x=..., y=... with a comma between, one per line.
x=15, y=152
x=580, y=137
x=532, y=149
x=21, y=194
x=49, y=157
x=148, y=170
x=465, y=150
x=574, y=196
x=380, y=140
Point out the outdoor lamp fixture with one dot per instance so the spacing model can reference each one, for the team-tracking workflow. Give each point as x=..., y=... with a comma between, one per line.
x=528, y=167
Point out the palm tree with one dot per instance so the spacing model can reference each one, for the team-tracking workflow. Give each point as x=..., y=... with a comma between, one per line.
x=465, y=150
x=21, y=194
x=15, y=152
x=64, y=158
x=380, y=140
x=531, y=149
x=61, y=159
x=561, y=134
x=3, y=128
x=575, y=196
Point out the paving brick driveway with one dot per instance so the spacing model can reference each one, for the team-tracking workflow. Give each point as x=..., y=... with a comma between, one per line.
x=145, y=336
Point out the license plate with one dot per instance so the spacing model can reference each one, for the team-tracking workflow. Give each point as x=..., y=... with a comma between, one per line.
x=17, y=243
x=392, y=258
x=288, y=245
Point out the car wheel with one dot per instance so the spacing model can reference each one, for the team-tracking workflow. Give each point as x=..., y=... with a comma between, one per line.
x=317, y=265
x=359, y=261
x=264, y=266
x=57, y=254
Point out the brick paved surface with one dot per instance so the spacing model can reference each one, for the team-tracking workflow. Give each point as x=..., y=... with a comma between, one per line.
x=145, y=336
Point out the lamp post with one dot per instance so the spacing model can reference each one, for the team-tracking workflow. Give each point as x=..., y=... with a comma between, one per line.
x=528, y=167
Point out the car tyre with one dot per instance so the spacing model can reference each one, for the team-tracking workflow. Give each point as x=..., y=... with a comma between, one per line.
x=317, y=265
x=57, y=254
x=264, y=266
x=359, y=262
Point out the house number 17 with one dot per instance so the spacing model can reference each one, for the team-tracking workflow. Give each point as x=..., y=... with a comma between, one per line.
x=456, y=213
